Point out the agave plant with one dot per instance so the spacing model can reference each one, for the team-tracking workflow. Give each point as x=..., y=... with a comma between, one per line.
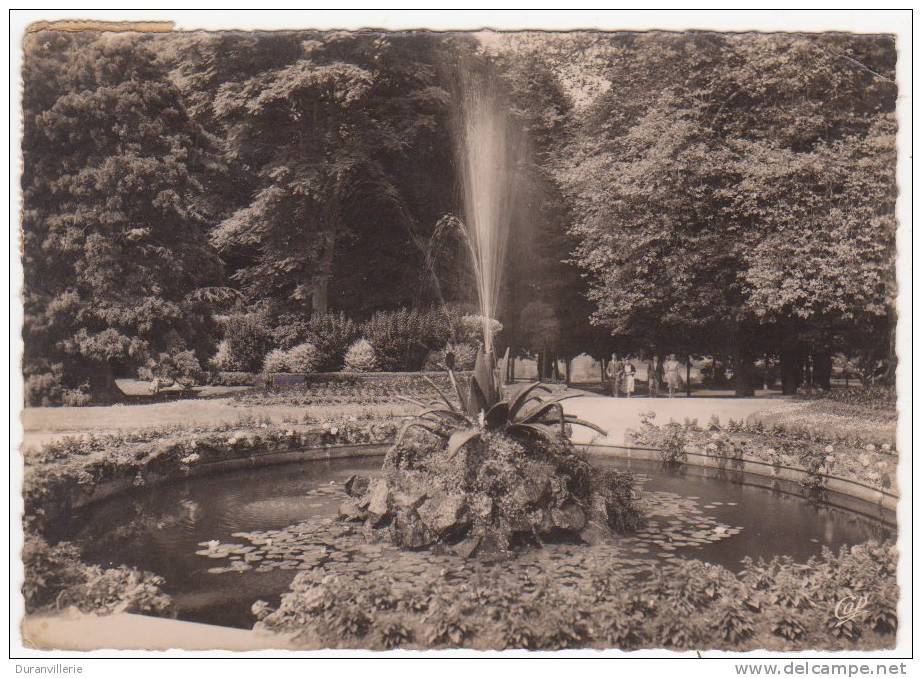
x=528, y=413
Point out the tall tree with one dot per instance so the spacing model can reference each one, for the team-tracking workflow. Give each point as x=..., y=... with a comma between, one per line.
x=738, y=183
x=333, y=137
x=114, y=246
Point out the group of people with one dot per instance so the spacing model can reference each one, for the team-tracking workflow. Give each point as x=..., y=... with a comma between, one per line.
x=622, y=375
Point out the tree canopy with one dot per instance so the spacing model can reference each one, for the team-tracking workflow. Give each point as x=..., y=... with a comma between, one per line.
x=696, y=193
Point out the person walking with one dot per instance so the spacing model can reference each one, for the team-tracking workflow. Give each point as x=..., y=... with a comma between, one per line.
x=671, y=371
x=615, y=375
x=629, y=372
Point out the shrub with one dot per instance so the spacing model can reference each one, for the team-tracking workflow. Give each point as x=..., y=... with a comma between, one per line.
x=290, y=331
x=182, y=367
x=44, y=389
x=361, y=357
x=402, y=338
x=303, y=358
x=331, y=334
x=77, y=397
x=247, y=340
x=56, y=577
x=222, y=359
x=276, y=360
x=471, y=328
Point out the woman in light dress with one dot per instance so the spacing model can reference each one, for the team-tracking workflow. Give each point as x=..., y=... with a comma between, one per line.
x=671, y=372
x=629, y=372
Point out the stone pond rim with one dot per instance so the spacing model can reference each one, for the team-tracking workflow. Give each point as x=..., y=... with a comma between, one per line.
x=840, y=492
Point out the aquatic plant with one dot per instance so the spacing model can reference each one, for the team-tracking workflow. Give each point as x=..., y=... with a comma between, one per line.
x=608, y=602
x=526, y=414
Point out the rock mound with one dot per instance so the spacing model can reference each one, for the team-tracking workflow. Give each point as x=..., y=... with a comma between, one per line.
x=494, y=494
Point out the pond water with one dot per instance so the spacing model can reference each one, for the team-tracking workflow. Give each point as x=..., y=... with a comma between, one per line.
x=164, y=529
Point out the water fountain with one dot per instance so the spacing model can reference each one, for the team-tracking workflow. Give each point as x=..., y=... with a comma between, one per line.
x=490, y=146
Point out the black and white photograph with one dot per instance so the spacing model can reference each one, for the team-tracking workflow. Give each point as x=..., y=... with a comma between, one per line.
x=428, y=339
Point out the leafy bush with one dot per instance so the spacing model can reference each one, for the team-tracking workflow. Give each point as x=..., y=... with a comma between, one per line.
x=778, y=605
x=222, y=359
x=303, y=358
x=402, y=338
x=77, y=397
x=289, y=331
x=55, y=577
x=248, y=340
x=182, y=367
x=275, y=361
x=42, y=390
x=471, y=328
x=331, y=334
x=361, y=357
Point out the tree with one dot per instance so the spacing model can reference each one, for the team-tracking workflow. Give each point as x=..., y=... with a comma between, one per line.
x=723, y=183
x=332, y=137
x=115, y=251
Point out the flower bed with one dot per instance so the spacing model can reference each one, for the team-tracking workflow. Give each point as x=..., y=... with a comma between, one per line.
x=837, y=422
x=815, y=453
x=588, y=599
x=344, y=389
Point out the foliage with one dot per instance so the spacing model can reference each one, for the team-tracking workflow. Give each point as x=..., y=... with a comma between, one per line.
x=276, y=360
x=688, y=604
x=56, y=578
x=708, y=197
x=816, y=454
x=334, y=132
x=361, y=357
x=45, y=388
x=76, y=397
x=303, y=358
x=114, y=236
x=345, y=388
x=247, y=338
x=221, y=378
x=330, y=333
x=182, y=367
x=670, y=439
x=402, y=338
x=878, y=398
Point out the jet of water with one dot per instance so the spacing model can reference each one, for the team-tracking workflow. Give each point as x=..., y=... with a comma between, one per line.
x=489, y=146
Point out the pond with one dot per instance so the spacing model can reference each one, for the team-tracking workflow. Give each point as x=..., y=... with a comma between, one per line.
x=164, y=529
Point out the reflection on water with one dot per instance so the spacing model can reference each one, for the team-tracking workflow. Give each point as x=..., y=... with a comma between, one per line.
x=161, y=529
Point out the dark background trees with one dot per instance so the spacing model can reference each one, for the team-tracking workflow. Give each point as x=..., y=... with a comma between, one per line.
x=728, y=195
x=727, y=198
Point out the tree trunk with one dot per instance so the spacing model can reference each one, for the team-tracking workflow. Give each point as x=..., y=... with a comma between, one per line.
x=791, y=366
x=556, y=363
x=822, y=369
x=320, y=297
x=742, y=365
x=688, y=376
x=567, y=366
